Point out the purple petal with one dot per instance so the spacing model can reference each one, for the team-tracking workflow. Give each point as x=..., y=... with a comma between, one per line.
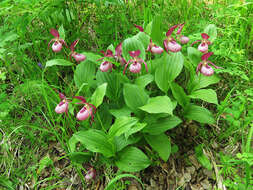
x=80, y=98
x=55, y=33
x=180, y=28
x=139, y=27
x=135, y=53
x=206, y=56
x=204, y=36
x=171, y=30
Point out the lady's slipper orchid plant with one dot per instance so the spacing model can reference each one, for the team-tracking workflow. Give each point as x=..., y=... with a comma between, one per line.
x=203, y=66
x=136, y=62
x=77, y=56
x=86, y=111
x=57, y=45
x=182, y=39
x=63, y=105
x=203, y=46
x=170, y=43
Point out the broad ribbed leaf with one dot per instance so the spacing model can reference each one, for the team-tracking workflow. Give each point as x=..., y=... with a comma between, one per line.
x=60, y=62
x=134, y=96
x=113, y=84
x=179, y=94
x=132, y=44
x=207, y=95
x=132, y=159
x=168, y=68
x=162, y=125
x=84, y=73
x=125, y=111
x=143, y=38
x=156, y=31
x=121, y=141
x=92, y=57
x=201, y=81
x=161, y=144
x=144, y=80
x=95, y=141
x=158, y=104
x=194, y=55
x=98, y=95
x=122, y=125
x=199, y=114
x=211, y=30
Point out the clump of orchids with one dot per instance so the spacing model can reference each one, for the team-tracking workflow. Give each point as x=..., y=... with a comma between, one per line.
x=57, y=46
x=88, y=110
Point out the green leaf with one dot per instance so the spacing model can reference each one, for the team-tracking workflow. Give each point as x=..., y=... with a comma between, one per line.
x=113, y=83
x=72, y=144
x=158, y=104
x=202, y=158
x=131, y=159
x=132, y=44
x=61, y=32
x=156, y=31
x=60, y=62
x=44, y=162
x=199, y=114
x=125, y=111
x=134, y=96
x=161, y=125
x=122, y=125
x=179, y=94
x=136, y=128
x=207, y=95
x=202, y=81
x=211, y=30
x=144, y=80
x=143, y=38
x=92, y=57
x=112, y=183
x=161, y=144
x=80, y=157
x=98, y=95
x=194, y=55
x=95, y=141
x=84, y=73
x=168, y=69
x=121, y=141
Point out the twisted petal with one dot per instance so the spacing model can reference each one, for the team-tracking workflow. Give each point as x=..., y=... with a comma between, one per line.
x=198, y=67
x=204, y=36
x=80, y=98
x=171, y=30
x=215, y=66
x=118, y=50
x=195, y=42
x=126, y=65
x=165, y=44
x=55, y=33
x=73, y=45
x=206, y=56
x=180, y=28
x=139, y=27
x=135, y=53
x=50, y=42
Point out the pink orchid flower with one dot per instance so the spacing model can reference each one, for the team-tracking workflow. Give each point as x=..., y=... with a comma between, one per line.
x=154, y=48
x=151, y=47
x=57, y=45
x=77, y=56
x=203, y=46
x=170, y=43
x=203, y=66
x=136, y=62
x=63, y=105
x=91, y=174
x=88, y=110
x=106, y=65
x=182, y=39
x=118, y=54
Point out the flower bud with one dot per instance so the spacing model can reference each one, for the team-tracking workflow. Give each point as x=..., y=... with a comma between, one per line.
x=184, y=39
